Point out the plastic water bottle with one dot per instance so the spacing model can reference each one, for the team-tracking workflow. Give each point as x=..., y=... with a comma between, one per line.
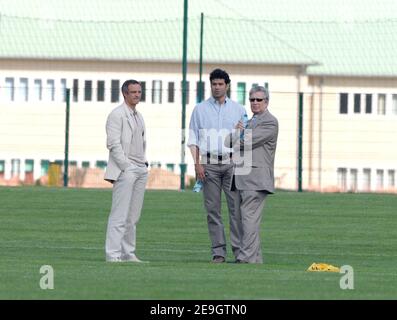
x=198, y=186
x=244, y=120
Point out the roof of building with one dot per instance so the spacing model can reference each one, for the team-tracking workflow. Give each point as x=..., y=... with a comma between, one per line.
x=332, y=37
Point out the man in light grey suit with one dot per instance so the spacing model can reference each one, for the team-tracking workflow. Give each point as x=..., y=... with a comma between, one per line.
x=127, y=170
x=254, y=175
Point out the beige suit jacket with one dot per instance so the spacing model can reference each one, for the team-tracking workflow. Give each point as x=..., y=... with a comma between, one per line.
x=260, y=171
x=119, y=128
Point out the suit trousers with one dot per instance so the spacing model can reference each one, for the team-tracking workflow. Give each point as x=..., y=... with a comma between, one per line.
x=218, y=178
x=251, y=206
x=127, y=201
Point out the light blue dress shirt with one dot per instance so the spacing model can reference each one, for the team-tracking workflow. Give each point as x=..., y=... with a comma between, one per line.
x=210, y=123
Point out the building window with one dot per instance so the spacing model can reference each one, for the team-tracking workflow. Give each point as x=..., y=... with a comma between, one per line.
x=381, y=103
x=368, y=103
x=367, y=179
x=357, y=103
x=266, y=85
x=85, y=164
x=187, y=91
x=228, y=92
x=379, y=179
x=50, y=90
x=171, y=92
x=44, y=167
x=394, y=102
x=10, y=89
x=143, y=88
x=23, y=89
x=15, y=167
x=391, y=178
x=157, y=89
x=343, y=97
x=63, y=90
x=101, y=164
x=73, y=163
x=200, y=88
x=87, y=90
x=101, y=91
x=353, y=180
x=2, y=168
x=114, y=88
x=342, y=179
x=37, y=90
x=75, y=90
x=241, y=93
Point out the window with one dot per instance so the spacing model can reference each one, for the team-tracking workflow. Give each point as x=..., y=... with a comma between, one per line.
x=101, y=91
x=73, y=163
x=200, y=88
x=75, y=90
x=170, y=167
x=50, y=90
x=394, y=106
x=391, y=178
x=37, y=90
x=343, y=103
x=157, y=87
x=228, y=91
x=15, y=167
x=143, y=88
x=187, y=91
x=241, y=93
x=115, y=95
x=379, y=179
x=87, y=90
x=2, y=168
x=29, y=164
x=342, y=172
x=101, y=164
x=171, y=92
x=266, y=85
x=63, y=90
x=367, y=179
x=357, y=103
x=254, y=85
x=23, y=89
x=85, y=164
x=368, y=103
x=353, y=180
x=10, y=89
x=381, y=103
x=44, y=167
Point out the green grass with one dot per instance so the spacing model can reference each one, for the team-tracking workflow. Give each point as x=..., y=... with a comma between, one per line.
x=65, y=228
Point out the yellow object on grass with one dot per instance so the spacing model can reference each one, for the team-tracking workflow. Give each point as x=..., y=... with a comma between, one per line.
x=323, y=267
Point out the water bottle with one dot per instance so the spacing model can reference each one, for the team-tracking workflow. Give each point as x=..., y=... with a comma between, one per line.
x=244, y=120
x=198, y=186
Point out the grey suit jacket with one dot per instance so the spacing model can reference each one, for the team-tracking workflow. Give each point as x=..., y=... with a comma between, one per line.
x=119, y=128
x=259, y=173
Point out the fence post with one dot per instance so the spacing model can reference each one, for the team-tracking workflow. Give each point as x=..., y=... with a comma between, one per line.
x=300, y=141
x=66, y=161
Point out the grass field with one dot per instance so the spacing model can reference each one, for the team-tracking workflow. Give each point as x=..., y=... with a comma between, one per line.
x=65, y=228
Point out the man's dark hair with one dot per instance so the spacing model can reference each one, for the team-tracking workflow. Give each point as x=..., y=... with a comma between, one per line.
x=124, y=87
x=219, y=74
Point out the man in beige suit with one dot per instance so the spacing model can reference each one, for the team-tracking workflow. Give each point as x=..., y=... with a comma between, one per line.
x=127, y=170
x=254, y=174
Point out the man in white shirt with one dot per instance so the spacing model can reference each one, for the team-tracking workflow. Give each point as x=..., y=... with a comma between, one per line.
x=211, y=121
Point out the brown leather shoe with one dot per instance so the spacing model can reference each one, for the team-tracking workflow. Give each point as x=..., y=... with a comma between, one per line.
x=218, y=259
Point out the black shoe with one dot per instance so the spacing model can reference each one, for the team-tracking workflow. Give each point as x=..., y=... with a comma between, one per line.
x=218, y=259
x=240, y=261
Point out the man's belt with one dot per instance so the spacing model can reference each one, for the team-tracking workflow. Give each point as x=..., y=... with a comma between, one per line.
x=219, y=157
